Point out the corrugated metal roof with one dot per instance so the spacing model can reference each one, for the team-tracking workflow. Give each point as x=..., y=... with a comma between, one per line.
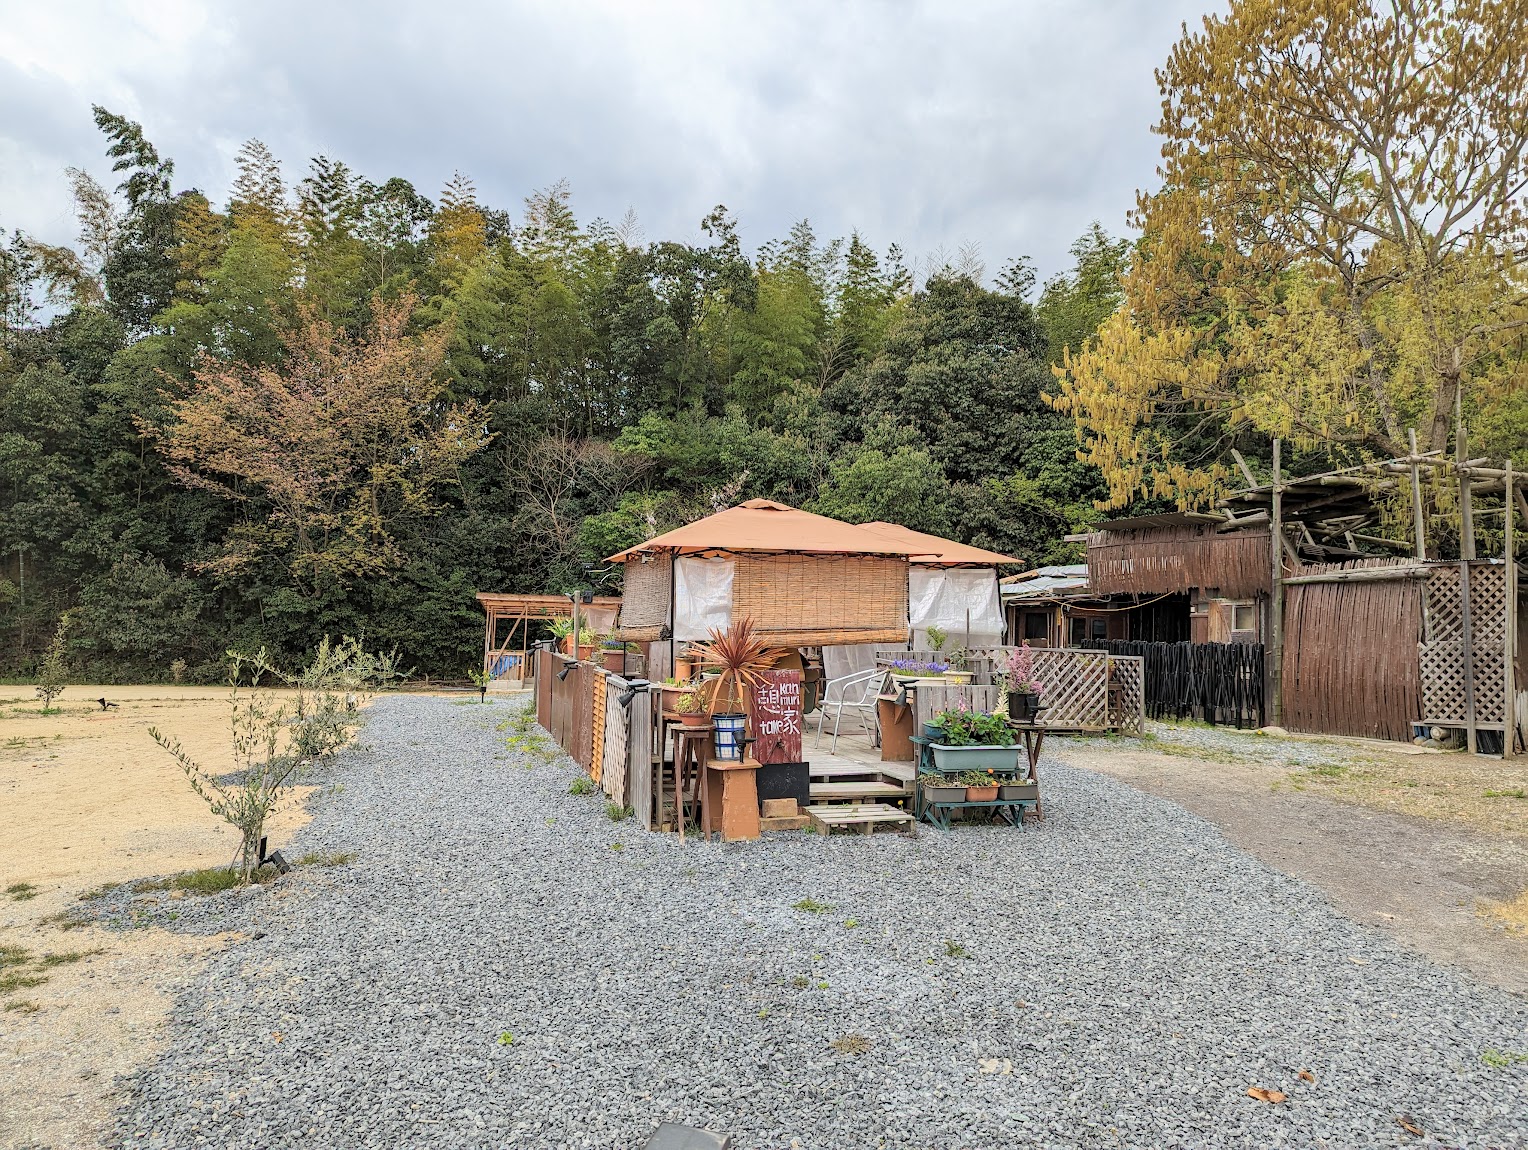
x=1047, y=582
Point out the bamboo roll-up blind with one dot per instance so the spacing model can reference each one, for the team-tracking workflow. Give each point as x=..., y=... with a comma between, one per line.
x=1169, y=560
x=645, y=596
x=807, y=600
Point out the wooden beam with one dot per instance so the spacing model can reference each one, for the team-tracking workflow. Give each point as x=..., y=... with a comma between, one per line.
x=1361, y=575
x=1509, y=636
x=1471, y=722
x=1245, y=470
x=1466, y=498
x=1276, y=596
x=1419, y=527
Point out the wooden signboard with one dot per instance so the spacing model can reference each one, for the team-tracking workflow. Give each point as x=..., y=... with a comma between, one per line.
x=776, y=712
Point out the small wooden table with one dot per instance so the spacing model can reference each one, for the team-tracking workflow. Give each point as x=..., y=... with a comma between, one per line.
x=692, y=748
x=730, y=800
x=1033, y=737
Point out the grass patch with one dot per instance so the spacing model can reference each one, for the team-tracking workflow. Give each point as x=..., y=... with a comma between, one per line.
x=617, y=813
x=1328, y=770
x=65, y=957
x=17, y=980
x=327, y=858
x=1516, y=793
x=64, y=920
x=211, y=880
x=14, y=956
x=21, y=891
x=21, y=1005
x=953, y=949
x=811, y=906
x=1514, y=914
x=581, y=786
x=1504, y=1058
x=851, y=1044
x=801, y=982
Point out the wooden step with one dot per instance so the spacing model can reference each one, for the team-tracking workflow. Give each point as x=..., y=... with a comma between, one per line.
x=864, y=817
x=783, y=822
x=852, y=792
x=844, y=770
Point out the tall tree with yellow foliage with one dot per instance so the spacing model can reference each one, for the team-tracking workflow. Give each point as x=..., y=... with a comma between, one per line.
x=1338, y=248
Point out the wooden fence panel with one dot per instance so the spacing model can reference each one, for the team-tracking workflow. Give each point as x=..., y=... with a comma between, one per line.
x=543, y=688
x=1444, y=700
x=616, y=741
x=597, y=723
x=639, y=757
x=1351, y=663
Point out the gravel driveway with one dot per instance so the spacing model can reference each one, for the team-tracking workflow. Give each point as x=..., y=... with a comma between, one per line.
x=493, y=971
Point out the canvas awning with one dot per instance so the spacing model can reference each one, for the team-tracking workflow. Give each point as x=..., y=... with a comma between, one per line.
x=934, y=551
x=762, y=525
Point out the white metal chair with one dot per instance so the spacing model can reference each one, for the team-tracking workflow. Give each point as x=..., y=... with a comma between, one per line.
x=855, y=692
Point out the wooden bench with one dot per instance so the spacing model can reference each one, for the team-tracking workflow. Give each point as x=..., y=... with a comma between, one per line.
x=864, y=817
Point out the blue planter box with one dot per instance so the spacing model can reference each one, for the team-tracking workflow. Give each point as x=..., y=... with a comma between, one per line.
x=951, y=759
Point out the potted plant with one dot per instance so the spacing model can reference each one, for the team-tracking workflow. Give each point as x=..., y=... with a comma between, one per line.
x=910, y=669
x=1016, y=790
x=613, y=654
x=684, y=667
x=981, y=786
x=741, y=660
x=1024, y=690
x=562, y=630
x=937, y=637
x=692, y=710
x=933, y=732
x=974, y=741
x=939, y=789
x=956, y=672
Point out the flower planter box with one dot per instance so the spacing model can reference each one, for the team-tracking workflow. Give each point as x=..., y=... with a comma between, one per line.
x=982, y=794
x=700, y=719
x=949, y=759
x=1019, y=792
x=940, y=792
x=613, y=660
x=960, y=676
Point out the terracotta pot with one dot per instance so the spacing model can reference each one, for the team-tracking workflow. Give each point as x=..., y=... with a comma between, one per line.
x=613, y=660
x=960, y=676
x=981, y=794
x=700, y=720
x=684, y=669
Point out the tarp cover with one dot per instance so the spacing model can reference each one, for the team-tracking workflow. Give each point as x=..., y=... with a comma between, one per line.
x=940, y=597
x=702, y=596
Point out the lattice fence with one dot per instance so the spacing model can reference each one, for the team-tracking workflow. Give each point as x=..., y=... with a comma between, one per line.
x=1444, y=697
x=1127, y=693
x=615, y=740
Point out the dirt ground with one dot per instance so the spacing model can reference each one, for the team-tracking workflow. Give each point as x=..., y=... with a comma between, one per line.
x=1432, y=848
x=87, y=798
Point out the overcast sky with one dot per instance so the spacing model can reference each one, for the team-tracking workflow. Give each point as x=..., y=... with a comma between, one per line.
x=1011, y=125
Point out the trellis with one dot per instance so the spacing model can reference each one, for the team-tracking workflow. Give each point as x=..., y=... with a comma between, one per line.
x=1459, y=629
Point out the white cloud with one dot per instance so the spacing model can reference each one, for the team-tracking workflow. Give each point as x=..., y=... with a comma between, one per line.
x=928, y=124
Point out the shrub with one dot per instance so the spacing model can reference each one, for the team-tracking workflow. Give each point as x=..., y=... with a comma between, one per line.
x=52, y=675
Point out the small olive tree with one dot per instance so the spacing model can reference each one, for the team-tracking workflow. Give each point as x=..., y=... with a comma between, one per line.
x=278, y=737
x=52, y=675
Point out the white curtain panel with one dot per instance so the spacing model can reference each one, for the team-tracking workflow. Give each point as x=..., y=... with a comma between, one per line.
x=702, y=596
x=942, y=597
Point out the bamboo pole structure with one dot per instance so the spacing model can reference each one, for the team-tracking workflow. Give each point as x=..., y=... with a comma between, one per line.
x=1416, y=496
x=1509, y=635
x=1276, y=596
x=1471, y=732
x=1466, y=498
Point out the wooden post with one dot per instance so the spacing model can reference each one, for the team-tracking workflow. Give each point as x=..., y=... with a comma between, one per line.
x=1466, y=500
x=1418, y=527
x=1509, y=635
x=1276, y=596
x=1471, y=734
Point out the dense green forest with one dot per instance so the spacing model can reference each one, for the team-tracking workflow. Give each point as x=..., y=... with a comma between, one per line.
x=336, y=405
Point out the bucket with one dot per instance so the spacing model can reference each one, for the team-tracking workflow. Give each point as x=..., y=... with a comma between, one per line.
x=728, y=741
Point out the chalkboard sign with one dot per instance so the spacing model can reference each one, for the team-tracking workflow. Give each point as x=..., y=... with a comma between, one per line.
x=776, y=711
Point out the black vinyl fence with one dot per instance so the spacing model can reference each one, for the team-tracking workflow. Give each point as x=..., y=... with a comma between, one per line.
x=1219, y=683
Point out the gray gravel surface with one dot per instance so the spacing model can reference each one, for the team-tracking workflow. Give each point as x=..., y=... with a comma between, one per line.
x=1230, y=744
x=1116, y=977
